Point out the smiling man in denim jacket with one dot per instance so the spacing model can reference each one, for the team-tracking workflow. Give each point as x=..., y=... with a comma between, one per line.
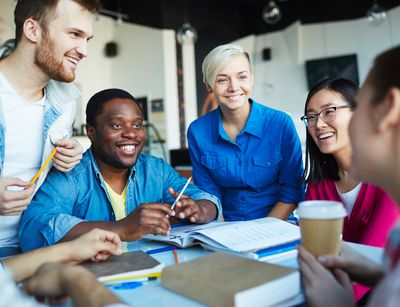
x=115, y=187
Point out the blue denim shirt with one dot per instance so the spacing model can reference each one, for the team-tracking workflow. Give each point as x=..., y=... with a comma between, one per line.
x=263, y=166
x=60, y=107
x=66, y=199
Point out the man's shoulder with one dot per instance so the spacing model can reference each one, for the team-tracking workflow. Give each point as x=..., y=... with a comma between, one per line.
x=82, y=170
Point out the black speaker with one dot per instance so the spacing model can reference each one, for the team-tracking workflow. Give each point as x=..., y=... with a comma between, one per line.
x=111, y=49
x=266, y=54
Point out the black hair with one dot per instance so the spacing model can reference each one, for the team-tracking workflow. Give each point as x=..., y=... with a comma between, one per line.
x=96, y=103
x=320, y=166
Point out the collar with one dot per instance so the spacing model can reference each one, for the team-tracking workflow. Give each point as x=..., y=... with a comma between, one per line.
x=132, y=170
x=252, y=125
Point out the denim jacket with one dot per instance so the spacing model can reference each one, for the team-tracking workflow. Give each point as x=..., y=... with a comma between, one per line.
x=59, y=115
x=67, y=199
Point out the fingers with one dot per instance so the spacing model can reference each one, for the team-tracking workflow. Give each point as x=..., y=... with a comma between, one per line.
x=6, y=182
x=188, y=209
x=14, y=202
x=68, y=154
x=175, y=194
x=342, y=278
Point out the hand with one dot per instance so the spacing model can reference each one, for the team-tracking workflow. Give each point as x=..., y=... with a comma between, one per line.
x=322, y=287
x=96, y=245
x=195, y=211
x=48, y=281
x=147, y=218
x=360, y=268
x=14, y=202
x=69, y=154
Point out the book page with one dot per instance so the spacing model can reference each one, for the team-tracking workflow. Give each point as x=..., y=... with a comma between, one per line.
x=251, y=235
x=181, y=235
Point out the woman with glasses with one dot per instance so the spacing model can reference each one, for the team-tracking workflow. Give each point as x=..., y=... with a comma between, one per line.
x=243, y=152
x=375, y=139
x=371, y=211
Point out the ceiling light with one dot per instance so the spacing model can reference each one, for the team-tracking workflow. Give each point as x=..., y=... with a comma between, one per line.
x=272, y=13
x=186, y=34
x=376, y=14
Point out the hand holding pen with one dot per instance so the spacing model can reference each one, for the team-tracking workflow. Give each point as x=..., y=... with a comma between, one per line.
x=185, y=207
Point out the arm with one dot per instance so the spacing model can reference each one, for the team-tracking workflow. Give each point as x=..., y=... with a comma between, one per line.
x=201, y=177
x=147, y=218
x=96, y=245
x=58, y=280
x=282, y=210
x=14, y=202
x=68, y=154
x=291, y=186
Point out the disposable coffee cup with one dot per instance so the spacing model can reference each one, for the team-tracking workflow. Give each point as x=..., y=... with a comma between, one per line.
x=321, y=226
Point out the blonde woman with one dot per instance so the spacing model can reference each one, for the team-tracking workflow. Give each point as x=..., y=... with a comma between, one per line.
x=245, y=153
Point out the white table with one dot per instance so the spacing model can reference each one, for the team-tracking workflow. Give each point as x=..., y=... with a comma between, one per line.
x=153, y=294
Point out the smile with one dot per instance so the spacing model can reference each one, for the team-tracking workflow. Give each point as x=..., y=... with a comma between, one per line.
x=326, y=135
x=72, y=60
x=128, y=148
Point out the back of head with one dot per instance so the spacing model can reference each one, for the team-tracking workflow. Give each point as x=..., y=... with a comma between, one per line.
x=96, y=102
x=384, y=73
x=320, y=166
x=217, y=58
x=42, y=11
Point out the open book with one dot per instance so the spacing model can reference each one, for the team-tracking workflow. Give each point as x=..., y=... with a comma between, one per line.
x=225, y=280
x=128, y=266
x=250, y=237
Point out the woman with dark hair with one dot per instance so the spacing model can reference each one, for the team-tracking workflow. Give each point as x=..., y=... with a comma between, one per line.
x=375, y=139
x=371, y=211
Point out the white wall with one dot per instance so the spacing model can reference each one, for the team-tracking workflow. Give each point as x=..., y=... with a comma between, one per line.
x=281, y=82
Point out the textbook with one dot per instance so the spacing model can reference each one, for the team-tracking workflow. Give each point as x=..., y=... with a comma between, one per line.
x=128, y=266
x=262, y=235
x=226, y=280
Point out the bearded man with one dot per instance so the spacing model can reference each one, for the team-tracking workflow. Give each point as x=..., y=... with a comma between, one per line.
x=37, y=101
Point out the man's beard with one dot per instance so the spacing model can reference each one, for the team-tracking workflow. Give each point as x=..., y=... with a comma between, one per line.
x=45, y=59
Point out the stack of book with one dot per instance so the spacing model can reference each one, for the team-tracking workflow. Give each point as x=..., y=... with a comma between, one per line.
x=263, y=239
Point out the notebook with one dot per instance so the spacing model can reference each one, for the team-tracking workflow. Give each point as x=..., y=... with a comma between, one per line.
x=226, y=280
x=247, y=237
x=128, y=266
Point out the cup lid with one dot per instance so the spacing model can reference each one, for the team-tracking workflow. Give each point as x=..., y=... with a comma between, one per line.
x=321, y=209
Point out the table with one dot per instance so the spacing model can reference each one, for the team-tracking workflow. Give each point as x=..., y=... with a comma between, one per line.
x=153, y=294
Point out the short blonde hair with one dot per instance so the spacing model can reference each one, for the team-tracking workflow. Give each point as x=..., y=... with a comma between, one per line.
x=217, y=58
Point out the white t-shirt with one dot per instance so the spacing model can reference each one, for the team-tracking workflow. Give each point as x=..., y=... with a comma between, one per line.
x=349, y=198
x=23, y=147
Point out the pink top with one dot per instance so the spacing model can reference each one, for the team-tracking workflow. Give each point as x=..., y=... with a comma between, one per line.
x=371, y=219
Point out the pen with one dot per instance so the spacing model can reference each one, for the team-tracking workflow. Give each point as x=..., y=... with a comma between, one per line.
x=43, y=166
x=160, y=250
x=176, y=256
x=180, y=194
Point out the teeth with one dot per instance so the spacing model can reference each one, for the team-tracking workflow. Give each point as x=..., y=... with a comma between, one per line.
x=75, y=61
x=326, y=135
x=128, y=148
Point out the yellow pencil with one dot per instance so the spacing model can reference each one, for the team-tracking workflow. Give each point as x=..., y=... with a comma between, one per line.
x=44, y=166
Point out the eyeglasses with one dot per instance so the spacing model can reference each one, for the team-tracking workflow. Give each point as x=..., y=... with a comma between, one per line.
x=327, y=115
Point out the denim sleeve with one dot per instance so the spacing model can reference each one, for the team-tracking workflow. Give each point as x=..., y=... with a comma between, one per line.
x=200, y=175
x=291, y=171
x=49, y=216
x=176, y=181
